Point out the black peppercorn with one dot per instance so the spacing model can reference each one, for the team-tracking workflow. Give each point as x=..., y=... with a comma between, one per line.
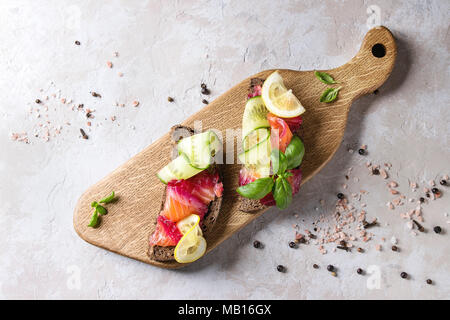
x=340, y=195
x=376, y=171
x=394, y=248
x=38, y=101
x=205, y=101
x=330, y=267
x=292, y=244
x=256, y=244
x=404, y=275
x=429, y=281
x=77, y=42
x=435, y=190
x=428, y=195
x=315, y=266
x=170, y=99
x=443, y=182
x=203, y=86
x=359, y=271
x=281, y=268
x=422, y=199
x=361, y=151
x=437, y=229
x=205, y=91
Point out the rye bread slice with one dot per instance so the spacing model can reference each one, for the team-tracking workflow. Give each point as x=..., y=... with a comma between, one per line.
x=159, y=253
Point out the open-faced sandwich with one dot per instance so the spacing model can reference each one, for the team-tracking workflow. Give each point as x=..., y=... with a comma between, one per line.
x=272, y=150
x=192, y=198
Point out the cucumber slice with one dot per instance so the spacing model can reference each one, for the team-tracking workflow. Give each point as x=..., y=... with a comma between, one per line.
x=255, y=116
x=200, y=148
x=255, y=137
x=179, y=168
x=258, y=155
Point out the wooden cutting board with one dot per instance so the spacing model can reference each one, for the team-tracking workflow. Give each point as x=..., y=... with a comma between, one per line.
x=131, y=219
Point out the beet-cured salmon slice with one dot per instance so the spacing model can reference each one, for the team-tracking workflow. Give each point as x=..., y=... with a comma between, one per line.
x=166, y=233
x=180, y=202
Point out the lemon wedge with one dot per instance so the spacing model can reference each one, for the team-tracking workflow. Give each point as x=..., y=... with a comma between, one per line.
x=278, y=99
x=192, y=245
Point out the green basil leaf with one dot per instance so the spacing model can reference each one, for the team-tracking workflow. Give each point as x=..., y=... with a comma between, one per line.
x=101, y=210
x=257, y=189
x=282, y=193
x=330, y=95
x=324, y=77
x=108, y=199
x=294, y=152
x=94, y=204
x=279, y=161
x=94, y=220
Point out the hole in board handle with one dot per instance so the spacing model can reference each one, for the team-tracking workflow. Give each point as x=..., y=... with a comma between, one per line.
x=378, y=50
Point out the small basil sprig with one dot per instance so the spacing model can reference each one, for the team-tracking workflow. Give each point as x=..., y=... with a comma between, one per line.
x=324, y=77
x=257, y=189
x=281, y=188
x=294, y=152
x=100, y=210
x=329, y=95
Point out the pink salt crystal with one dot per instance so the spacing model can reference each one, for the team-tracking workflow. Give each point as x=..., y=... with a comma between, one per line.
x=432, y=183
x=298, y=236
x=63, y=100
x=390, y=205
x=383, y=173
x=393, y=191
x=420, y=218
x=364, y=147
x=109, y=64
x=409, y=224
x=135, y=103
x=120, y=74
x=378, y=247
x=113, y=118
x=368, y=163
x=393, y=184
x=445, y=177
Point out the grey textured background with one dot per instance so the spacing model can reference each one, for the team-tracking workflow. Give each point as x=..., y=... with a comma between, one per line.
x=168, y=48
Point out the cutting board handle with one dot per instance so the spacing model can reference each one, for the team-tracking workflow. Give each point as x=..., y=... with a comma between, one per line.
x=371, y=66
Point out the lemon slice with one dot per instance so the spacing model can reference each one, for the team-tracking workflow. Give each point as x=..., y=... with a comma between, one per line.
x=278, y=99
x=192, y=245
x=188, y=223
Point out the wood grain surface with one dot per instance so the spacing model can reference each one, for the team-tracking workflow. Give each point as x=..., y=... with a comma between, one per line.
x=131, y=219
